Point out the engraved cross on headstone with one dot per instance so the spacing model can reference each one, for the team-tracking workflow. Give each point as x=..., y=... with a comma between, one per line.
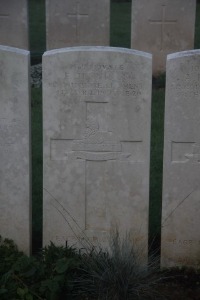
x=4, y=15
x=196, y=153
x=183, y=152
x=97, y=147
x=77, y=15
x=163, y=21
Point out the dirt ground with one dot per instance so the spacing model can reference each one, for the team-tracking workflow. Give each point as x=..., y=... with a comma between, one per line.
x=181, y=285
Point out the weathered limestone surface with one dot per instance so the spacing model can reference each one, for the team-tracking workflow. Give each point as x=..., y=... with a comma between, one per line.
x=162, y=27
x=77, y=23
x=97, y=104
x=14, y=23
x=15, y=212
x=181, y=186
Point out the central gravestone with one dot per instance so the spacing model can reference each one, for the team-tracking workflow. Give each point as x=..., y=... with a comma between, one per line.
x=96, y=144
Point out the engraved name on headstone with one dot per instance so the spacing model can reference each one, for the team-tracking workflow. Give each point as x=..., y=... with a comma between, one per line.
x=181, y=187
x=96, y=144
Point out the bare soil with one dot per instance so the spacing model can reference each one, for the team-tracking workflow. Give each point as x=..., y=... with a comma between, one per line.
x=181, y=284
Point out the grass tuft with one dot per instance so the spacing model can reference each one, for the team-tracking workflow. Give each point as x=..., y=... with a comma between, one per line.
x=117, y=274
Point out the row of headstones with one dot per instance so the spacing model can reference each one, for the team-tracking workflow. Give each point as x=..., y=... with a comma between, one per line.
x=96, y=126
x=159, y=27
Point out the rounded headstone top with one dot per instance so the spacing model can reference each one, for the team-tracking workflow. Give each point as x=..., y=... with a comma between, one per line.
x=13, y=49
x=183, y=54
x=98, y=49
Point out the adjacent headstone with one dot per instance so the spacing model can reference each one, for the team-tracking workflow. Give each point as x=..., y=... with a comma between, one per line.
x=77, y=23
x=97, y=104
x=162, y=27
x=14, y=23
x=15, y=214
x=181, y=185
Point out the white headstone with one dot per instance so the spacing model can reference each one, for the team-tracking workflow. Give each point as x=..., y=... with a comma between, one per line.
x=77, y=23
x=97, y=104
x=14, y=23
x=15, y=147
x=181, y=185
x=162, y=27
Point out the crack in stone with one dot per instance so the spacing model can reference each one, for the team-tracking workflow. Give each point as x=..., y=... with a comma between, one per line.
x=179, y=205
